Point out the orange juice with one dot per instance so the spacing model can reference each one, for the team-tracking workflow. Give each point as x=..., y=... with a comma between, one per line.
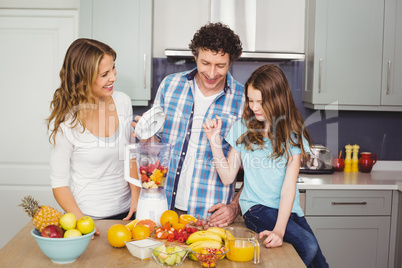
x=239, y=250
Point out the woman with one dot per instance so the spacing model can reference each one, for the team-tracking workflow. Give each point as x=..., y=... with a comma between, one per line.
x=270, y=141
x=90, y=125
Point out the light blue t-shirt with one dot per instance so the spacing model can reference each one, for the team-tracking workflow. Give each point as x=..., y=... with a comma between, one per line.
x=263, y=176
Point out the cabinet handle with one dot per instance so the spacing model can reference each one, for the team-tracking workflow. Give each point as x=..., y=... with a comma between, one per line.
x=349, y=203
x=388, y=78
x=319, y=75
x=145, y=71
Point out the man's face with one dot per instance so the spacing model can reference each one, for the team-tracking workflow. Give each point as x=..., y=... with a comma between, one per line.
x=212, y=69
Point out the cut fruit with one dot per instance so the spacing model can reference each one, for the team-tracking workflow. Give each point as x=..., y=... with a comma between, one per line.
x=131, y=224
x=148, y=223
x=185, y=218
x=178, y=226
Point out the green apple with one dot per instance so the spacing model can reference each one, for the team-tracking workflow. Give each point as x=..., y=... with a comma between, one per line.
x=86, y=225
x=68, y=221
x=72, y=233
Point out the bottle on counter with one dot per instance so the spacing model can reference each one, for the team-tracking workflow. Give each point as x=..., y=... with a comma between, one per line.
x=355, y=158
x=348, y=158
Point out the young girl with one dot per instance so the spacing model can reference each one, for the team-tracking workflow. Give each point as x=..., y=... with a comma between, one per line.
x=89, y=127
x=270, y=141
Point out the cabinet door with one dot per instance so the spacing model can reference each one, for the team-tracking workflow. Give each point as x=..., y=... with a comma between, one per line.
x=391, y=93
x=353, y=241
x=344, y=52
x=126, y=26
x=33, y=44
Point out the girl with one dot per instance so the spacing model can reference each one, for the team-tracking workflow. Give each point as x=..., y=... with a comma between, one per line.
x=270, y=141
x=90, y=125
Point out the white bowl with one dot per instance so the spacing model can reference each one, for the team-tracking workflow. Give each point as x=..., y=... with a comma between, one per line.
x=140, y=248
x=150, y=123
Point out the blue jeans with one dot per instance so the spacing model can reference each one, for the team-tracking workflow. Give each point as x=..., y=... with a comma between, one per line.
x=298, y=233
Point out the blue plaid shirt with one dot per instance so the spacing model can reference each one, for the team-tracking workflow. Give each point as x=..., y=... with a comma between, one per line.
x=176, y=97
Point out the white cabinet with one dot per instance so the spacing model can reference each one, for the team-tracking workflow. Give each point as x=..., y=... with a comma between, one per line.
x=345, y=65
x=33, y=44
x=391, y=93
x=351, y=226
x=126, y=26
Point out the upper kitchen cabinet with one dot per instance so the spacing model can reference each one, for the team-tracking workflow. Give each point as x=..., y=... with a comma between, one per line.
x=391, y=93
x=125, y=25
x=352, y=55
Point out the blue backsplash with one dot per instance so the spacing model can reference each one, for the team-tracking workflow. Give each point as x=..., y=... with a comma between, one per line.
x=376, y=132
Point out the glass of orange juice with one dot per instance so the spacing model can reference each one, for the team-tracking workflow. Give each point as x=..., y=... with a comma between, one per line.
x=242, y=245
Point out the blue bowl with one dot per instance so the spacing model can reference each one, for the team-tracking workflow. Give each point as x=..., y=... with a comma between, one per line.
x=62, y=250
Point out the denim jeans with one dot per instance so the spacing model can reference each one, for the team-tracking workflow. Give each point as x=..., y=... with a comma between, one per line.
x=298, y=233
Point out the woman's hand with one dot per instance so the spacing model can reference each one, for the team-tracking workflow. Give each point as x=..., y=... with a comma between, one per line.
x=212, y=128
x=273, y=239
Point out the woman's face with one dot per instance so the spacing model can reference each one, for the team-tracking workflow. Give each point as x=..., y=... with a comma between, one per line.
x=103, y=84
x=254, y=98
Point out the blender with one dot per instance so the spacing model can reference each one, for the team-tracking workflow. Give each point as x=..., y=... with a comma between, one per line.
x=146, y=166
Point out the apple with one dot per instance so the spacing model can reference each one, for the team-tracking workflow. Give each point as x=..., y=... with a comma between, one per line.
x=68, y=221
x=52, y=231
x=86, y=225
x=72, y=233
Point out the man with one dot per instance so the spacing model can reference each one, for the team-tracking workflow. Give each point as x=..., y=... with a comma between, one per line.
x=189, y=99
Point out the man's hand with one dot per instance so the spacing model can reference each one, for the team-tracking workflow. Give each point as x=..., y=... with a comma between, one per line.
x=223, y=215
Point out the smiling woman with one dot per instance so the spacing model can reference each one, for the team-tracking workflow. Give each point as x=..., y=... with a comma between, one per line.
x=90, y=125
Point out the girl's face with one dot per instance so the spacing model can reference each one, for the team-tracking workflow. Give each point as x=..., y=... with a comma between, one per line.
x=254, y=98
x=103, y=84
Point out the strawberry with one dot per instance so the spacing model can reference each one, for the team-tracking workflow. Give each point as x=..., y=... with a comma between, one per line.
x=150, y=168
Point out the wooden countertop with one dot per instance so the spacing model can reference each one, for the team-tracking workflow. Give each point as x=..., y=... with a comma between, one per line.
x=22, y=251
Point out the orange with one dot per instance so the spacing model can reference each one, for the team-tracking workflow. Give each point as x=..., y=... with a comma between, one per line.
x=148, y=223
x=131, y=224
x=140, y=232
x=118, y=234
x=169, y=216
x=178, y=226
x=185, y=218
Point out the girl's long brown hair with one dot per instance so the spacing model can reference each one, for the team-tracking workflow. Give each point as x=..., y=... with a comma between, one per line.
x=79, y=71
x=280, y=111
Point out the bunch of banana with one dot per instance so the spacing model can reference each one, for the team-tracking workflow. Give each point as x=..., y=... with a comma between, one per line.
x=205, y=239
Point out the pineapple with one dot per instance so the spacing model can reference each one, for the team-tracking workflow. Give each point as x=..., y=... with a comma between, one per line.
x=42, y=216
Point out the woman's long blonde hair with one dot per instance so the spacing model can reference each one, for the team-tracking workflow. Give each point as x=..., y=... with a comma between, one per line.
x=79, y=71
x=280, y=111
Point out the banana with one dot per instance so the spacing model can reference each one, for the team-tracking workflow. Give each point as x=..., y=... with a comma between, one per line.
x=197, y=246
x=217, y=230
x=203, y=235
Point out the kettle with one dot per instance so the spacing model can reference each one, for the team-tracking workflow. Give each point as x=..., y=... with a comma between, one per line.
x=319, y=161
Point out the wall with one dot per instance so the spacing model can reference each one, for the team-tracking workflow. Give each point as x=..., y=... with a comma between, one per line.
x=376, y=132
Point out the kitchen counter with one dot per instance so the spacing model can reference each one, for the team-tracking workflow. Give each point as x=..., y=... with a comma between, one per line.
x=386, y=175
x=22, y=251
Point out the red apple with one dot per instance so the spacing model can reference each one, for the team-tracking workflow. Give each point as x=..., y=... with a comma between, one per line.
x=52, y=231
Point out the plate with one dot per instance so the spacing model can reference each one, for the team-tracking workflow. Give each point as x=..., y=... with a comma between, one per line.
x=150, y=123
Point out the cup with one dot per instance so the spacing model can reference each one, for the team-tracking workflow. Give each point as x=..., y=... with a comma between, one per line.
x=338, y=164
x=242, y=245
x=366, y=162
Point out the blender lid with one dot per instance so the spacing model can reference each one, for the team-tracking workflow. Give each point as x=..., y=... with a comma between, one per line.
x=150, y=123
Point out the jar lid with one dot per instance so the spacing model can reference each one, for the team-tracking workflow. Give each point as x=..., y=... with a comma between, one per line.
x=150, y=123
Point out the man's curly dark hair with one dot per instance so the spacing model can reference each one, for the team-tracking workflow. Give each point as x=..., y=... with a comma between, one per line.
x=217, y=37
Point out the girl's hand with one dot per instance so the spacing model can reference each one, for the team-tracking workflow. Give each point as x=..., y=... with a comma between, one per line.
x=212, y=128
x=272, y=240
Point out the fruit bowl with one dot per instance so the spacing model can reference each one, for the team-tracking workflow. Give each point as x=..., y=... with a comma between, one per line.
x=208, y=259
x=170, y=254
x=62, y=250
